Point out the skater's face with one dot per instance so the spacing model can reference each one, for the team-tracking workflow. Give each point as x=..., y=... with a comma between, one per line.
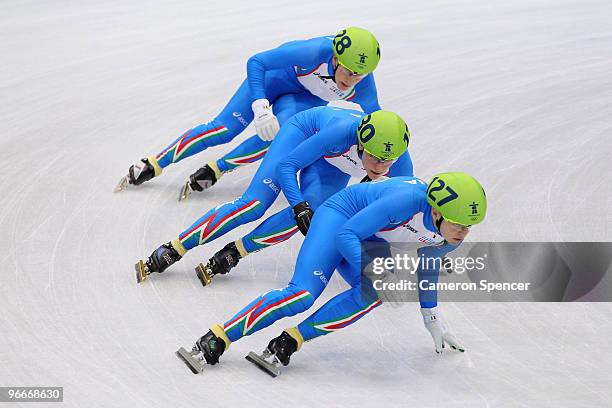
x=453, y=233
x=345, y=79
x=374, y=166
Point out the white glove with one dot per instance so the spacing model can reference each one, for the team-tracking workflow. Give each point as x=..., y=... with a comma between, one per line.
x=438, y=330
x=265, y=122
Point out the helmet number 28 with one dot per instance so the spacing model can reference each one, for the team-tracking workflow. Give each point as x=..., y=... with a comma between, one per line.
x=441, y=185
x=342, y=41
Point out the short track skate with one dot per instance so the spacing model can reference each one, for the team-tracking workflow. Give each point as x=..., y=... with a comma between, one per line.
x=142, y=271
x=185, y=191
x=122, y=185
x=267, y=362
x=205, y=275
x=193, y=359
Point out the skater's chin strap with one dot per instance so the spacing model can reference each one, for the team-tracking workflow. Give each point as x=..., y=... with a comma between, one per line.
x=438, y=223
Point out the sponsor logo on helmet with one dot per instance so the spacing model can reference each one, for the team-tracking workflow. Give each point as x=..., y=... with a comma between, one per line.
x=362, y=58
x=388, y=147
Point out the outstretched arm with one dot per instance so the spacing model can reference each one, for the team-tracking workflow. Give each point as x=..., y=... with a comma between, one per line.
x=428, y=273
x=327, y=141
x=367, y=222
x=301, y=53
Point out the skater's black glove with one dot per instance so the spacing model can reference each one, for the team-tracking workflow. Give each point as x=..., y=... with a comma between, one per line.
x=303, y=214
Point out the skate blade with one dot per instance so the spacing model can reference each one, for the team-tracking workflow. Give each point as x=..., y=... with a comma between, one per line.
x=196, y=366
x=204, y=275
x=185, y=192
x=141, y=274
x=122, y=185
x=269, y=368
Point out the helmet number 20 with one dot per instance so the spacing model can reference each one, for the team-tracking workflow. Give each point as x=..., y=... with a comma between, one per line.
x=366, y=130
x=441, y=185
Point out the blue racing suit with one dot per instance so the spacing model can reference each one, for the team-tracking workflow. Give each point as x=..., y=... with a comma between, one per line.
x=293, y=77
x=321, y=144
x=395, y=209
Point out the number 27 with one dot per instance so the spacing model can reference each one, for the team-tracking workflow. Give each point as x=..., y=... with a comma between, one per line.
x=451, y=193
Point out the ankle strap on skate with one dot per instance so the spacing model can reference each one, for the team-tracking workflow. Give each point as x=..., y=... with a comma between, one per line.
x=218, y=330
x=297, y=336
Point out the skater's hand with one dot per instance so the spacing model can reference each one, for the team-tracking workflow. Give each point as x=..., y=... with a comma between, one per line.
x=438, y=330
x=303, y=214
x=265, y=122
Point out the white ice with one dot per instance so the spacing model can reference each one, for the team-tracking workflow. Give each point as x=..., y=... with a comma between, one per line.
x=518, y=93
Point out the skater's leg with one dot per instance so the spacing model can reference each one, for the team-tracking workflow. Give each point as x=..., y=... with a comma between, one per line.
x=275, y=229
x=260, y=194
x=318, y=182
x=253, y=148
x=224, y=218
x=343, y=309
x=232, y=120
x=316, y=262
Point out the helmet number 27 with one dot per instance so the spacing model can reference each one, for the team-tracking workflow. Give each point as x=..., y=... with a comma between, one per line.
x=441, y=185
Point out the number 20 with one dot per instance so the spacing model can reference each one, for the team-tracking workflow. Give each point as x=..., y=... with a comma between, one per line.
x=451, y=193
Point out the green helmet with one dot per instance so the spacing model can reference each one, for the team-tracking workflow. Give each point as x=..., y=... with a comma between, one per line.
x=383, y=134
x=459, y=198
x=357, y=50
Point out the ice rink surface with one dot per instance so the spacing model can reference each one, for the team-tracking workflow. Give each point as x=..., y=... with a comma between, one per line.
x=517, y=93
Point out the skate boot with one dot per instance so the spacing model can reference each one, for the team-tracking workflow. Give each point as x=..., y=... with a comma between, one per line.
x=206, y=350
x=159, y=261
x=138, y=173
x=278, y=352
x=204, y=178
x=221, y=263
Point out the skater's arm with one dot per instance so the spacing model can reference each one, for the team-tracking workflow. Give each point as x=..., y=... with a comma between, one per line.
x=390, y=209
x=302, y=53
x=430, y=262
x=328, y=141
x=402, y=167
x=366, y=95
